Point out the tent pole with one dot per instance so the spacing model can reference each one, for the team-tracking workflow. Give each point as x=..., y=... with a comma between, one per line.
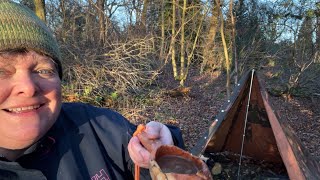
x=245, y=125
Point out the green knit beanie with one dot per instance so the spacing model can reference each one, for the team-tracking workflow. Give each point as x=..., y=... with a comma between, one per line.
x=20, y=28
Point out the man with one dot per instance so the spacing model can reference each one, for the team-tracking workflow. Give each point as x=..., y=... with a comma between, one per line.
x=43, y=138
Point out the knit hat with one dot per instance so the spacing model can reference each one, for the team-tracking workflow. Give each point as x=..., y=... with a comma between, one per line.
x=20, y=28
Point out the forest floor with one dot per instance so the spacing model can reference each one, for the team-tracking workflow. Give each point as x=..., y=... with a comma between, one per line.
x=194, y=112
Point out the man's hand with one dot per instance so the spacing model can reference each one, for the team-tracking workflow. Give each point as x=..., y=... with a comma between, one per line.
x=141, y=146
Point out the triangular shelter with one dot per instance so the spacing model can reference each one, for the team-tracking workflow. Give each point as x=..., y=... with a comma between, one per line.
x=267, y=137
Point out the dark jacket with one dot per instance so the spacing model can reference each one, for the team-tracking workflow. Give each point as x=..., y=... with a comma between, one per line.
x=86, y=142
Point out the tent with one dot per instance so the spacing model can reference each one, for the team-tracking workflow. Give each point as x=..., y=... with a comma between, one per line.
x=249, y=126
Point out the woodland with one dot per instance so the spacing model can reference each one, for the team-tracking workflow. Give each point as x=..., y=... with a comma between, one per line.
x=178, y=61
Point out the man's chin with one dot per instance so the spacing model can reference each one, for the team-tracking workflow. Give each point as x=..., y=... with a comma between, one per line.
x=25, y=140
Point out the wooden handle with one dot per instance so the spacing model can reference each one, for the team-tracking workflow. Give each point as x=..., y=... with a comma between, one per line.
x=140, y=128
x=136, y=172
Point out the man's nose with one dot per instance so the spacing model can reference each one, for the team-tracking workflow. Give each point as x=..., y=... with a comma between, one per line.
x=26, y=85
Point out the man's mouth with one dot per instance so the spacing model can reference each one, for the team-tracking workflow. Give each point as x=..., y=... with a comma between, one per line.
x=22, y=109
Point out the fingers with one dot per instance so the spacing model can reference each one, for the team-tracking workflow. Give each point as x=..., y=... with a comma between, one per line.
x=156, y=130
x=153, y=130
x=138, y=153
x=143, y=144
x=150, y=144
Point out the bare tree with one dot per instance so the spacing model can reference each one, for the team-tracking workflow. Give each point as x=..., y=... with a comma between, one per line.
x=144, y=14
x=90, y=35
x=210, y=37
x=318, y=26
x=64, y=18
x=182, y=43
x=173, y=40
x=232, y=27
x=162, y=44
x=100, y=9
x=191, y=53
x=225, y=50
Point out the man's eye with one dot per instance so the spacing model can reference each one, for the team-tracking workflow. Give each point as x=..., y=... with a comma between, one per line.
x=46, y=72
x=3, y=73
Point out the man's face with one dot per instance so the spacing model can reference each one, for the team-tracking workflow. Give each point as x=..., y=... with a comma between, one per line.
x=30, y=98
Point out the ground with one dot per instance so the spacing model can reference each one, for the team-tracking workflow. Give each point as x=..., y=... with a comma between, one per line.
x=194, y=112
x=303, y=115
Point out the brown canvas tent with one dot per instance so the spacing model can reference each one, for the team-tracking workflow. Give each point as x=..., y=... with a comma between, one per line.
x=266, y=137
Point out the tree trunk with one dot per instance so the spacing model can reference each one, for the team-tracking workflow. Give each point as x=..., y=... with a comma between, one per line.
x=182, y=44
x=207, y=50
x=225, y=49
x=102, y=27
x=190, y=55
x=136, y=10
x=162, y=30
x=89, y=35
x=40, y=9
x=144, y=14
x=318, y=28
x=64, y=21
x=233, y=41
x=173, y=40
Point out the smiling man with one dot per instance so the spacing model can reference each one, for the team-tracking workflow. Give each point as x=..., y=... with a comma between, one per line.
x=30, y=98
x=43, y=138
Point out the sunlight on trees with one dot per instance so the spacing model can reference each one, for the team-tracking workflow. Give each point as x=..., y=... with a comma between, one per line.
x=228, y=37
